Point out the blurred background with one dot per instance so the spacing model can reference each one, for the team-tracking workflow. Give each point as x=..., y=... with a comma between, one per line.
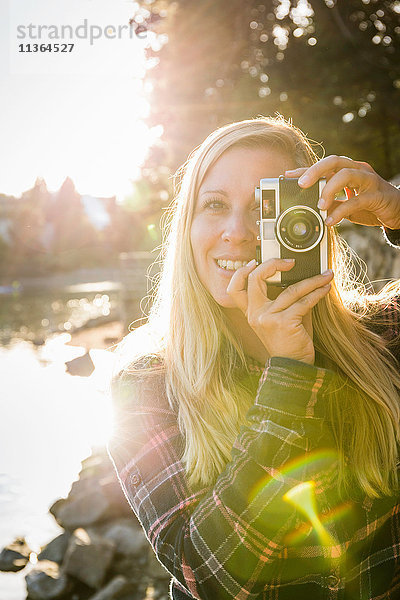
x=86, y=159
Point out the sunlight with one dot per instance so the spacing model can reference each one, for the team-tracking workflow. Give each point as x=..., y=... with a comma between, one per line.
x=59, y=418
x=90, y=393
x=80, y=115
x=100, y=143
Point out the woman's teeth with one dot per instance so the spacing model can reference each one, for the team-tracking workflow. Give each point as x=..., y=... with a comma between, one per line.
x=231, y=265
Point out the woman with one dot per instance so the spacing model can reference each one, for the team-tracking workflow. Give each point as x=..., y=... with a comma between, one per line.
x=256, y=434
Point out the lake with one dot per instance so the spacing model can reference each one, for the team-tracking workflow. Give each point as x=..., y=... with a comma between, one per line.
x=49, y=423
x=49, y=420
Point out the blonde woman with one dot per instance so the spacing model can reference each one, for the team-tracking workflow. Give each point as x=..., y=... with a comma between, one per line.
x=256, y=435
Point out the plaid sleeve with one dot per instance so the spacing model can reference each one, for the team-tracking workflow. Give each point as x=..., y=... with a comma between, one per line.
x=223, y=542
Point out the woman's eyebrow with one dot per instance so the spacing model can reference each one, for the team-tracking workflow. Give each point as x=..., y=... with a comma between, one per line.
x=222, y=192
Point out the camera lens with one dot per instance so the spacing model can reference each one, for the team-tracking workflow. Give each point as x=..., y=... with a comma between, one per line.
x=299, y=228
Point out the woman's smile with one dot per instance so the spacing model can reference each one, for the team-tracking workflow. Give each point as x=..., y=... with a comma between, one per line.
x=231, y=265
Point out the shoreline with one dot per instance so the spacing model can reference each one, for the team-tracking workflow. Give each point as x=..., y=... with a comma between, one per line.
x=98, y=337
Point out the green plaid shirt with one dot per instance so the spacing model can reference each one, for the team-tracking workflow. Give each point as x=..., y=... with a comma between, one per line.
x=241, y=538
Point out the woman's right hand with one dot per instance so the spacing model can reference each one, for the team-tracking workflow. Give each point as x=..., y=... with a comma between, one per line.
x=283, y=325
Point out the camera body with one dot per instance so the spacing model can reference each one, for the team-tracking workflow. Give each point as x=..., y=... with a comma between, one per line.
x=292, y=226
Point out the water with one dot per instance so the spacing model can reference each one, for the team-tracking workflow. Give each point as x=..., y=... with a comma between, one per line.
x=35, y=315
x=49, y=421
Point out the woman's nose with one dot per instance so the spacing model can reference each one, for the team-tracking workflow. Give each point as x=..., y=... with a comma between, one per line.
x=239, y=228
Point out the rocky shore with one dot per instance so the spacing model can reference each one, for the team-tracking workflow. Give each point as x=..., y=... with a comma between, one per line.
x=102, y=553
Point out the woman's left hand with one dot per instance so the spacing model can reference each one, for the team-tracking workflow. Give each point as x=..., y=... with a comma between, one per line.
x=369, y=200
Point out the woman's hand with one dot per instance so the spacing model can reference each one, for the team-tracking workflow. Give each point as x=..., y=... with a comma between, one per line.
x=370, y=200
x=283, y=325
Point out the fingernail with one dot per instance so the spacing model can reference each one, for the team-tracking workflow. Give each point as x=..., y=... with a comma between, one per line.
x=321, y=203
x=327, y=272
x=251, y=263
x=303, y=180
x=328, y=221
x=289, y=260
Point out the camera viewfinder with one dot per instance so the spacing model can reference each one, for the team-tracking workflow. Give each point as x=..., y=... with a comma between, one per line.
x=268, y=204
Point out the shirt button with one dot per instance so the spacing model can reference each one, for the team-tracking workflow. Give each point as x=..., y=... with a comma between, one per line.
x=135, y=480
x=333, y=582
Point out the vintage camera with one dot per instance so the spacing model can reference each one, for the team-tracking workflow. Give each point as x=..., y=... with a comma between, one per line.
x=292, y=226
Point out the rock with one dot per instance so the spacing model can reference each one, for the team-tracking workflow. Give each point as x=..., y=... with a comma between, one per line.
x=55, y=550
x=88, y=558
x=127, y=537
x=15, y=556
x=54, y=508
x=80, y=591
x=82, y=366
x=139, y=592
x=81, y=486
x=131, y=567
x=95, y=465
x=83, y=509
x=155, y=568
x=103, y=554
x=95, y=497
x=112, y=589
x=379, y=257
x=47, y=581
x=112, y=490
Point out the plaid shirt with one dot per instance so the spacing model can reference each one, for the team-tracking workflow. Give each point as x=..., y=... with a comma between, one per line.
x=240, y=538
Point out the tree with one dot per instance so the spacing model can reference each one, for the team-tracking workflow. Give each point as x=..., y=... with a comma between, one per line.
x=73, y=237
x=25, y=248
x=331, y=66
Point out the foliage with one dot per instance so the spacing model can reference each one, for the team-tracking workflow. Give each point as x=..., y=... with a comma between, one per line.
x=52, y=232
x=332, y=66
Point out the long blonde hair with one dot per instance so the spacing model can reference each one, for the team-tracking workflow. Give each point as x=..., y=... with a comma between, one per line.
x=202, y=357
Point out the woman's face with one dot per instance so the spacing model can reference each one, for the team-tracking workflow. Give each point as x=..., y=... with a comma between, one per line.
x=224, y=230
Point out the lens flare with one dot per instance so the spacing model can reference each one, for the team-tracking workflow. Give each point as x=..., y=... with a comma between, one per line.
x=302, y=497
x=322, y=464
x=299, y=534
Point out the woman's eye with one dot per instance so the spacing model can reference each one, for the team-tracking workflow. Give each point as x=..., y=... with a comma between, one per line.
x=214, y=204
